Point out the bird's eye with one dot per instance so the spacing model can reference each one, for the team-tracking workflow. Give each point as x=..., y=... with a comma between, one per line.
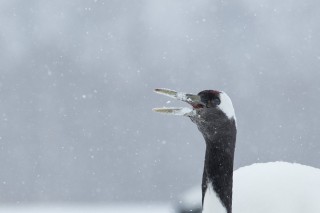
x=212, y=103
x=216, y=101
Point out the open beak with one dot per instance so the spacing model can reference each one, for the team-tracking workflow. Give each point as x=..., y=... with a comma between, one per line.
x=193, y=100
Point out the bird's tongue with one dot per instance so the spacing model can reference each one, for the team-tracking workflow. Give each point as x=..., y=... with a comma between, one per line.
x=197, y=106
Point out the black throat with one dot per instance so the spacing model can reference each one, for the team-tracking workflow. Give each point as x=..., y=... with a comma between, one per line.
x=218, y=166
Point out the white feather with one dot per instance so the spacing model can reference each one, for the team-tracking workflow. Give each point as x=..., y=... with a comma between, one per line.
x=211, y=202
x=226, y=106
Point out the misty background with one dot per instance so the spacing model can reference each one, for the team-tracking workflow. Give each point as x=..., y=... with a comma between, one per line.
x=76, y=92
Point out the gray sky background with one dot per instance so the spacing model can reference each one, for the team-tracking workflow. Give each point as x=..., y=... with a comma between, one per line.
x=76, y=81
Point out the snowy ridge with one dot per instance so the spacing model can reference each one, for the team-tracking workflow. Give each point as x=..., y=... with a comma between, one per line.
x=81, y=208
x=277, y=187
x=273, y=187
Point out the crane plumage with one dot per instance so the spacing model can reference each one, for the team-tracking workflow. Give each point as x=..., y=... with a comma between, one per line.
x=269, y=187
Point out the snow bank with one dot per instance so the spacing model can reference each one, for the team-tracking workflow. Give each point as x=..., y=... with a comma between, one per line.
x=277, y=187
x=125, y=208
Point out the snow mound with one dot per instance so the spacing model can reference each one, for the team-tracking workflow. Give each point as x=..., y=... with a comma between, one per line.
x=276, y=187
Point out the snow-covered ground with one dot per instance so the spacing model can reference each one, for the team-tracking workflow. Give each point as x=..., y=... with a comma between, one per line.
x=269, y=187
x=119, y=208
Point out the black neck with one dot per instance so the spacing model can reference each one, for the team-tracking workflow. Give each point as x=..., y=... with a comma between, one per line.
x=218, y=165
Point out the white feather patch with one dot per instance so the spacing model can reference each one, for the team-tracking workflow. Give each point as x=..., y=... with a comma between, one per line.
x=226, y=106
x=211, y=202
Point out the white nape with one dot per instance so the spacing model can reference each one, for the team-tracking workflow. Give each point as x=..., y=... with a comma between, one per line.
x=226, y=106
x=212, y=202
